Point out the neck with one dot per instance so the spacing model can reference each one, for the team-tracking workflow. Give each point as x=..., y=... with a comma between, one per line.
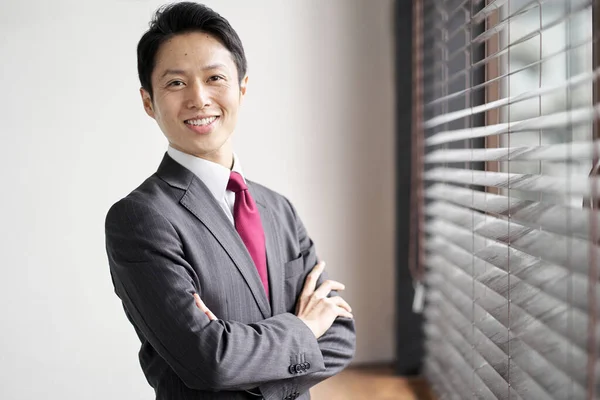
x=222, y=156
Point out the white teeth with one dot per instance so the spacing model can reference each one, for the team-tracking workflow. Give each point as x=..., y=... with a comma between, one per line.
x=200, y=122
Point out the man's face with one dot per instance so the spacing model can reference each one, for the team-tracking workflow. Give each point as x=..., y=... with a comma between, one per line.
x=196, y=95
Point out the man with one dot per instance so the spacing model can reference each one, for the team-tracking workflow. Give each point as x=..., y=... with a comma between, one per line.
x=215, y=272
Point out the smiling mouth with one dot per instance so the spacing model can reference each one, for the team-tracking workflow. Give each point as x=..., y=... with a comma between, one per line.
x=201, y=121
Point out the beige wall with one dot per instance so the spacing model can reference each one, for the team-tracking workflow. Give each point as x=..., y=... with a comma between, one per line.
x=317, y=126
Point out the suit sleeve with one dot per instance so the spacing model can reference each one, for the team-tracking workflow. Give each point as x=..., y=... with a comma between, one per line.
x=156, y=286
x=337, y=345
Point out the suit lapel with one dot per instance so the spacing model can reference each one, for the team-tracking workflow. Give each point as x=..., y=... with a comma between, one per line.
x=274, y=256
x=198, y=200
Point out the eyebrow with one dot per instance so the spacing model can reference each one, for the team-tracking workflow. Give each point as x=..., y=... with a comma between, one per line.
x=182, y=72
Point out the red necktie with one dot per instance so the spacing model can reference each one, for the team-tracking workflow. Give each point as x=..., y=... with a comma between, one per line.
x=249, y=226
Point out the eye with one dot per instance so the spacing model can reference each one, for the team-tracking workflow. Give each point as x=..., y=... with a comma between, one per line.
x=215, y=78
x=175, y=83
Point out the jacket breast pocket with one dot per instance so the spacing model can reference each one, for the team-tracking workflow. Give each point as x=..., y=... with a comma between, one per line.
x=294, y=267
x=295, y=276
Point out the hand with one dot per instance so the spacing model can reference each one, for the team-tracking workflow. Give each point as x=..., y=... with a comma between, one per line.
x=317, y=310
x=200, y=304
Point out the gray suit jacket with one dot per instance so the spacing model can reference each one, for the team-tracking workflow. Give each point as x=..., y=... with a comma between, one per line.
x=169, y=239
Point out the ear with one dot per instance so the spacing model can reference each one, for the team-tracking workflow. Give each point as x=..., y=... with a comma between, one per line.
x=243, y=86
x=147, y=101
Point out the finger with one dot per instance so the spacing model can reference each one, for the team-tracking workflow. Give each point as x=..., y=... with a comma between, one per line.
x=344, y=313
x=210, y=315
x=311, y=279
x=326, y=287
x=200, y=304
x=338, y=311
x=338, y=301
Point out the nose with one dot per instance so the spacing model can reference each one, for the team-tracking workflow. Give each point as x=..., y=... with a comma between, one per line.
x=198, y=96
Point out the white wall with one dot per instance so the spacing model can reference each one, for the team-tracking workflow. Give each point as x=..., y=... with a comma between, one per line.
x=317, y=126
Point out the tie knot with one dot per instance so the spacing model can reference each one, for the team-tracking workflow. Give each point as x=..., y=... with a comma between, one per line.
x=236, y=183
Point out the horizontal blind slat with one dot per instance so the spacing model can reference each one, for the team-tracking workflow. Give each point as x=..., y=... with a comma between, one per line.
x=548, y=343
x=457, y=348
x=571, y=151
x=572, y=185
x=489, y=9
x=505, y=23
x=460, y=366
x=500, y=27
x=530, y=94
x=533, y=303
x=570, y=252
x=442, y=83
x=526, y=366
x=555, y=121
x=479, y=16
x=526, y=358
x=439, y=381
x=452, y=364
x=563, y=220
x=558, y=281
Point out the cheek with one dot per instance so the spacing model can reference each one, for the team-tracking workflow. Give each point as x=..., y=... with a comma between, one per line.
x=227, y=98
x=231, y=104
x=168, y=110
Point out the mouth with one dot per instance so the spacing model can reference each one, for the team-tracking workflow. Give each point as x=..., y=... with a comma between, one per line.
x=202, y=126
x=201, y=121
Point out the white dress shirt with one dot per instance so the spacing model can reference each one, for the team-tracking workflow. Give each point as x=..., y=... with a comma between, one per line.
x=213, y=175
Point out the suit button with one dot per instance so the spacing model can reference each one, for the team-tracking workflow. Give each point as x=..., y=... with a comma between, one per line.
x=307, y=365
x=292, y=370
x=298, y=368
x=304, y=366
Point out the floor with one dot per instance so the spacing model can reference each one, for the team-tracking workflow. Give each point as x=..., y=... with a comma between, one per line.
x=371, y=383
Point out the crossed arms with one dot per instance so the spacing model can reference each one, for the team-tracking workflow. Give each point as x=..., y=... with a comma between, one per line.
x=157, y=286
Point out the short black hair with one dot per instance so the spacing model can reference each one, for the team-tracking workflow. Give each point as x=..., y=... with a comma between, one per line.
x=179, y=18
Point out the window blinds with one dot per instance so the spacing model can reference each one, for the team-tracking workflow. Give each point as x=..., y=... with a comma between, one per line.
x=505, y=220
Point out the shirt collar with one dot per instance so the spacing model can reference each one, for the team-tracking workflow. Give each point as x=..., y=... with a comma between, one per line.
x=213, y=175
